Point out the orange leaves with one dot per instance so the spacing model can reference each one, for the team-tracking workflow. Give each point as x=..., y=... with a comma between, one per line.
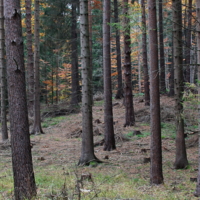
x=96, y=4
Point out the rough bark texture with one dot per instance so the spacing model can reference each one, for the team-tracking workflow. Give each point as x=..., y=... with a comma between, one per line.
x=75, y=97
x=108, y=112
x=24, y=182
x=181, y=156
x=156, y=174
x=119, y=94
x=161, y=46
x=30, y=66
x=128, y=94
x=37, y=129
x=4, y=129
x=188, y=41
x=87, y=149
x=144, y=55
x=197, y=192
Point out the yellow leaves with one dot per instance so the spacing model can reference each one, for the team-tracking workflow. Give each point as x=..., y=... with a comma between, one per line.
x=42, y=34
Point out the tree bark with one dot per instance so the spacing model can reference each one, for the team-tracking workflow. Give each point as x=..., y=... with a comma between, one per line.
x=188, y=42
x=144, y=55
x=37, y=128
x=119, y=94
x=181, y=156
x=108, y=112
x=30, y=65
x=161, y=46
x=4, y=128
x=197, y=191
x=128, y=94
x=87, y=149
x=156, y=174
x=24, y=182
x=76, y=96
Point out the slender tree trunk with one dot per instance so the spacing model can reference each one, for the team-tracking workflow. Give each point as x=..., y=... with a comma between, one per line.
x=144, y=55
x=108, y=112
x=181, y=156
x=156, y=176
x=188, y=41
x=87, y=149
x=30, y=67
x=161, y=46
x=197, y=192
x=128, y=95
x=4, y=128
x=24, y=181
x=76, y=97
x=37, y=129
x=57, y=80
x=171, y=78
x=119, y=94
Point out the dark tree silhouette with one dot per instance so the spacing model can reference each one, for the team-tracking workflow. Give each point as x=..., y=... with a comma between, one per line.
x=119, y=94
x=181, y=155
x=144, y=55
x=108, y=112
x=37, y=128
x=156, y=174
x=4, y=128
x=128, y=94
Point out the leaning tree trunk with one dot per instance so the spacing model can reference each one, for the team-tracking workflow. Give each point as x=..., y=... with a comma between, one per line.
x=161, y=45
x=144, y=55
x=76, y=96
x=119, y=94
x=197, y=192
x=181, y=156
x=24, y=181
x=30, y=66
x=4, y=128
x=87, y=149
x=156, y=174
x=108, y=112
x=37, y=129
x=128, y=94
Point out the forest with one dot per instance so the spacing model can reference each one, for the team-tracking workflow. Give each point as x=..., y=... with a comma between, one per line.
x=99, y=99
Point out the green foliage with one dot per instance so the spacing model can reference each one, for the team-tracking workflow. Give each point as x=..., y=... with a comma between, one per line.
x=168, y=130
x=50, y=121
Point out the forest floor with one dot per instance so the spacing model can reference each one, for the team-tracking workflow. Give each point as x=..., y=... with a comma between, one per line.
x=124, y=173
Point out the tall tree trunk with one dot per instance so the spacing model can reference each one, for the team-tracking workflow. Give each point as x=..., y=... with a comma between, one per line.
x=76, y=97
x=171, y=78
x=181, y=156
x=24, y=181
x=156, y=176
x=197, y=192
x=30, y=67
x=144, y=55
x=161, y=46
x=119, y=94
x=4, y=128
x=108, y=112
x=128, y=94
x=188, y=42
x=37, y=129
x=87, y=149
